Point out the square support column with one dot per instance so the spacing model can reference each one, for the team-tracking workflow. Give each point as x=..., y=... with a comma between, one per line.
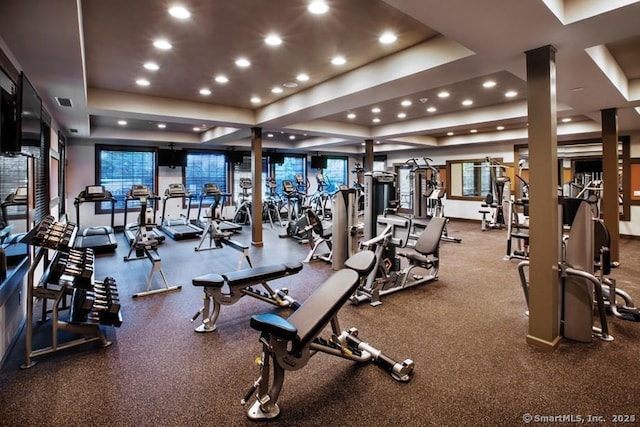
x=368, y=155
x=610, y=207
x=544, y=281
x=256, y=178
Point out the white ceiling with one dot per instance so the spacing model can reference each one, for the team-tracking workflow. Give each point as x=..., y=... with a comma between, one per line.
x=92, y=51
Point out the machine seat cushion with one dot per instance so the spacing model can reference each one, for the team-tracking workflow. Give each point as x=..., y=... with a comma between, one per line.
x=430, y=238
x=274, y=324
x=362, y=262
x=314, y=314
x=213, y=280
x=292, y=267
x=254, y=275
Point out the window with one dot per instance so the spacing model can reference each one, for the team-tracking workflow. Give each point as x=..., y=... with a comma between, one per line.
x=292, y=165
x=202, y=168
x=14, y=175
x=243, y=170
x=119, y=168
x=335, y=174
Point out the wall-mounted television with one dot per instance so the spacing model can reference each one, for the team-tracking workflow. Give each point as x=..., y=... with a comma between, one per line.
x=171, y=158
x=276, y=158
x=9, y=142
x=318, y=162
x=235, y=157
x=28, y=113
x=588, y=165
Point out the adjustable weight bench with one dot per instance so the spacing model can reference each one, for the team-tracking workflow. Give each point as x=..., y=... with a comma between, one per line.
x=228, y=288
x=288, y=344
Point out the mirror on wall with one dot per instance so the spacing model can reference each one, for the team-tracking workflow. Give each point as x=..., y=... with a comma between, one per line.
x=580, y=171
x=473, y=179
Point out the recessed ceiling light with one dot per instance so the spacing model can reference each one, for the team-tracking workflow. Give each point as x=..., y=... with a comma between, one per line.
x=143, y=82
x=196, y=129
x=432, y=110
x=290, y=84
x=338, y=60
x=221, y=79
x=318, y=7
x=467, y=102
x=273, y=40
x=363, y=144
x=276, y=90
x=255, y=100
x=204, y=91
x=402, y=115
x=489, y=84
x=292, y=137
x=243, y=62
x=151, y=66
x=375, y=110
x=377, y=142
x=500, y=127
x=351, y=116
x=162, y=44
x=443, y=94
x=376, y=120
x=179, y=12
x=406, y=103
x=511, y=94
x=302, y=77
x=269, y=135
x=473, y=130
x=566, y=120
x=387, y=38
x=161, y=126
x=450, y=133
x=122, y=122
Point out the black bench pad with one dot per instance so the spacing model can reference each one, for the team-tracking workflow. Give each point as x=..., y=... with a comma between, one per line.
x=260, y=274
x=212, y=279
x=274, y=324
x=362, y=262
x=314, y=314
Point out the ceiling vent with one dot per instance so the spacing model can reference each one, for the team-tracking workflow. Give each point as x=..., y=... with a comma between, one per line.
x=64, y=102
x=73, y=130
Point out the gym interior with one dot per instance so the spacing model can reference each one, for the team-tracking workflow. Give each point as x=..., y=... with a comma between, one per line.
x=307, y=212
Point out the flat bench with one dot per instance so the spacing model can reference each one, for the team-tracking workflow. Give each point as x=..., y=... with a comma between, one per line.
x=228, y=288
x=288, y=344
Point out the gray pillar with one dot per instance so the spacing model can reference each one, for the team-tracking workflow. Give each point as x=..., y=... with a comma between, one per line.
x=544, y=288
x=256, y=178
x=610, y=209
x=368, y=155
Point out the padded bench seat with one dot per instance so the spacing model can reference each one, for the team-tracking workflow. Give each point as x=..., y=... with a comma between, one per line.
x=249, y=276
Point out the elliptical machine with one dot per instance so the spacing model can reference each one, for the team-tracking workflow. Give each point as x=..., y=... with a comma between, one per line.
x=243, y=212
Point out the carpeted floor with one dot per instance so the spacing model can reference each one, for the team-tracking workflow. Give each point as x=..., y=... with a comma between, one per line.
x=466, y=334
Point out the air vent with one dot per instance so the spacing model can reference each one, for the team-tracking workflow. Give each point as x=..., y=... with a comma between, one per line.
x=73, y=130
x=64, y=102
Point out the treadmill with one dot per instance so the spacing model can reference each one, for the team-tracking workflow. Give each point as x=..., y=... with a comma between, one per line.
x=179, y=228
x=212, y=190
x=99, y=238
x=143, y=194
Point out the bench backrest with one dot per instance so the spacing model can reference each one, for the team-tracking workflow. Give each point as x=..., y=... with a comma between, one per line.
x=314, y=314
x=429, y=240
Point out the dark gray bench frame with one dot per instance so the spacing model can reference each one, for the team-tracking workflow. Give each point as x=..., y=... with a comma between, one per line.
x=228, y=288
x=288, y=344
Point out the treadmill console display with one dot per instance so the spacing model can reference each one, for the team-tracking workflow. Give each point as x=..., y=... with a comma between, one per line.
x=140, y=190
x=176, y=190
x=211, y=189
x=94, y=191
x=20, y=195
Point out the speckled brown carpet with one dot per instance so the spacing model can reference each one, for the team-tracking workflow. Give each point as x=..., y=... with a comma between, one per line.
x=465, y=332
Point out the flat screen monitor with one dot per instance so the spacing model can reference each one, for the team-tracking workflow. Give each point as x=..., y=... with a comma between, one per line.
x=235, y=157
x=318, y=162
x=171, y=158
x=9, y=142
x=29, y=113
x=276, y=158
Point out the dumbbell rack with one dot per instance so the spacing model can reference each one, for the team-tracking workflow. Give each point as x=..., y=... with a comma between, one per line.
x=67, y=273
